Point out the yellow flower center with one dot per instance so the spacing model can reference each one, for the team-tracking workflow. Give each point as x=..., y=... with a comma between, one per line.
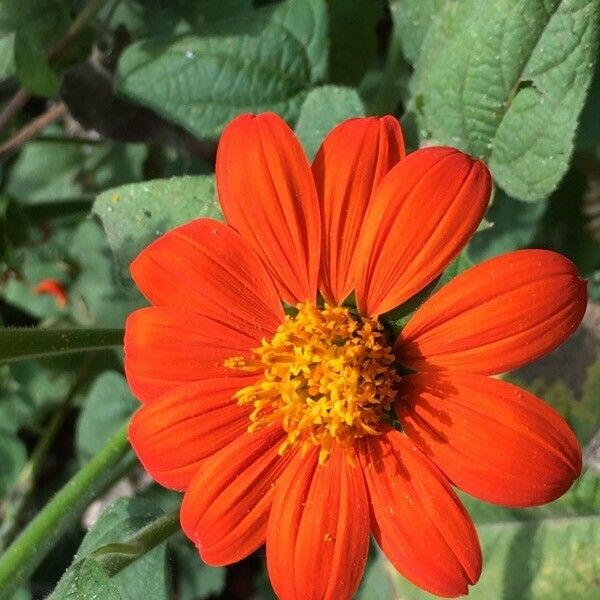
x=328, y=376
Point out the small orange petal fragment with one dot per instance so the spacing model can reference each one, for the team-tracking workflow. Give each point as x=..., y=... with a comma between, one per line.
x=52, y=287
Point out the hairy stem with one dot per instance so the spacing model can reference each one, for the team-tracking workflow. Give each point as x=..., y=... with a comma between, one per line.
x=23, y=343
x=38, y=538
x=17, y=496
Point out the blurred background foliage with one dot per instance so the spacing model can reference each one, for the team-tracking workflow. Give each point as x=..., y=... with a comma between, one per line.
x=111, y=114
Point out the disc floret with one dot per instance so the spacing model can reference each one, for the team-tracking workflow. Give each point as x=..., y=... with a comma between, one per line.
x=328, y=376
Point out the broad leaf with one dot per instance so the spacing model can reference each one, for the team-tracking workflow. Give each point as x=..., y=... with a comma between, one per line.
x=108, y=405
x=147, y=577
x=569, y=378
x=412, y=21
x=96, y=296
x=511, y=225
x=534, y=554
x=7, y=55
x=324, y=108
x=136, y=214
x=196, y=579
x=264, y=59
x=506, y=80
x=86, y=580
x=13, y=455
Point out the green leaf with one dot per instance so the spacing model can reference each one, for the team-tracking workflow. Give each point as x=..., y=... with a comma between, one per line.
x=532, y=554
x=45, y=256
x=569, y=379
x=22, y=594
x=353, y=38
x=13, y=456
x=136, y=214
x=21, y=343
x=195, y=579
x=147, y=577
x=412, y=21
x=46, y=171
x=563, y=226
x=15, y=13
x=506, y=81
x=324, y=108
x=108, y=405
x=202, y=82
x=86, y=580
x=31, y=61
x=588, y=134
x=512, y=225
x=49, y=171
x=33, y=39
x=30, y=389
x=7, y=55
x=44, y=530
x=97, y=296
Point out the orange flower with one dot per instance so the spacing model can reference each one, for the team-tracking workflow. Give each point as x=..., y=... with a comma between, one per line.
x=280, y=427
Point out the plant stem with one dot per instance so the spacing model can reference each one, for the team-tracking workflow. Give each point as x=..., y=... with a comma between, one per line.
x=17, y=496
x=16, y=103
x=22, y=343
x=115, y=557
x=33, y=128
x=38, y=538
x=13, y=106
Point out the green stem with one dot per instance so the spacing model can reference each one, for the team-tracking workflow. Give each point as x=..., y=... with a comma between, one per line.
x=17, y=496
x=89, y=11
x=115, y=557
x=39, y=537
x=18, y=344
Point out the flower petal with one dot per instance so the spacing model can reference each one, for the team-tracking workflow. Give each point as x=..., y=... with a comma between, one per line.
x=422, y=214
x=173, y=435
x=351, y=162
x=497, y=316
x=166, y=348
x=417, y=520
x=226, y=508
x=268, y=194
x=492, y=439
x=206, y=267
x=318, y=533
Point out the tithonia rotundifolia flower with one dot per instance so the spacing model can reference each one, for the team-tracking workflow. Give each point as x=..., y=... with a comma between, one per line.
x=276, y=399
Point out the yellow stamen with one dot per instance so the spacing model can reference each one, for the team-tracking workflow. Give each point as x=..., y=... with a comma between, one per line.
x=327, y=375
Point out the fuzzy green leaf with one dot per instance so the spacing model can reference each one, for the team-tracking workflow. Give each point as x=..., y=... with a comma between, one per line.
x=511, y=225
x=147, y=577
x=324, y=108
x=506, y=81
x=264, y=59
x=533, y=554
x=13, y=455
x=108, y=405
x=412, y=21
x=86, y=580
x=136, y=214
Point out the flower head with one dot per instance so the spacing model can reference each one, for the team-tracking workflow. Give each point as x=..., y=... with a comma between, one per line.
x=311, y=427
